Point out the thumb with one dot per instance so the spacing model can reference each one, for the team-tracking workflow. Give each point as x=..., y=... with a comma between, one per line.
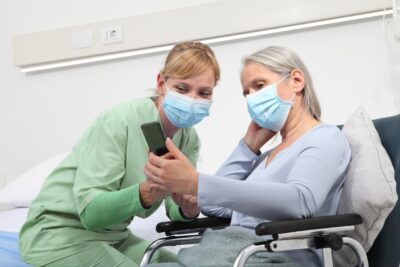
x=173, y=150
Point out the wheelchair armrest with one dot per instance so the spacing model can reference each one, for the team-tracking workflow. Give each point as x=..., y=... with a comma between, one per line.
x=195, y=226
x=295, y=225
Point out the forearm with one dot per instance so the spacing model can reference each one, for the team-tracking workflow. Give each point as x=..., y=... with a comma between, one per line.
x=216, y=211
x=112, y=207
x=239, y=164
x=271, y=201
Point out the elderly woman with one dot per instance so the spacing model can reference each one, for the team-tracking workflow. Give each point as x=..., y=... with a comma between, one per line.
x=301, y=177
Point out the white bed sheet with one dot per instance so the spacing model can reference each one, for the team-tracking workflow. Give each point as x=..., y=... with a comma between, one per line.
x=12, y=221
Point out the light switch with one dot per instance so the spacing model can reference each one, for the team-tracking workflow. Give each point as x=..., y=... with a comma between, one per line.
x=82, y=39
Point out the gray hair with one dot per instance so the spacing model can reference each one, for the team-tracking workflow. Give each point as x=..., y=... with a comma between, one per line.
x=282, y=60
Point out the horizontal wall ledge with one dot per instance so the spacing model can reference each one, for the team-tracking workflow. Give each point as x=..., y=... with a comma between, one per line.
x=216, y=22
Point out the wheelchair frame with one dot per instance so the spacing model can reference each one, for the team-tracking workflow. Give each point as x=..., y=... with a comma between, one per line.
x=326, y=233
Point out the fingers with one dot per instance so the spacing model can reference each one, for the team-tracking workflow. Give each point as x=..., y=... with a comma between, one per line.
x=158, y=187
x=190, y=200
x=186, y=201
x=151, y=170
x=156, y=160
x=167, y=156
x=151, y=174
x=177, y=198
x=173, y=150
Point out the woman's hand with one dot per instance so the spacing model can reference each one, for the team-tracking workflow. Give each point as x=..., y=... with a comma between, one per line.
x=149, y=195
x=173, y=172
x=188, y=205
x=256, y=136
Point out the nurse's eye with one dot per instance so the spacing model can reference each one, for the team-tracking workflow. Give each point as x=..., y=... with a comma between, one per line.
x=205, y=94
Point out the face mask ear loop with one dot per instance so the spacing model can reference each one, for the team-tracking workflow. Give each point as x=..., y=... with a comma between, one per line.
x=284, y=78
x=281, y=80
x=166, y=89
x=294, y=94
x=165, y=83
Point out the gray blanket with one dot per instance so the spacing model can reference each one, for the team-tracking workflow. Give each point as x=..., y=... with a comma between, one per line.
x=220, y=248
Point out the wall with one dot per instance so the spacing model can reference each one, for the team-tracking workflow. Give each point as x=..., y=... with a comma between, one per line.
x=44, y=114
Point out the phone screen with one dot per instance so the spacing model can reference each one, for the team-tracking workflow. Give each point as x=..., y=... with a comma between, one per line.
x=155, y=137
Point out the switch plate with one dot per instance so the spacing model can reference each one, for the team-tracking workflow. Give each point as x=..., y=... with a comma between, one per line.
x=82, y=39
x=111, y=35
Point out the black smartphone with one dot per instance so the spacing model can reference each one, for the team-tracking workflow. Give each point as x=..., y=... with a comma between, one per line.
x=155, y=137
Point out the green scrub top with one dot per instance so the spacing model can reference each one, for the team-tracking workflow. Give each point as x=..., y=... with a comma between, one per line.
x=110, y=156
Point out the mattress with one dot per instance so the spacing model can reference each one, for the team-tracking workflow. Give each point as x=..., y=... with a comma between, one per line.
x=12, y=220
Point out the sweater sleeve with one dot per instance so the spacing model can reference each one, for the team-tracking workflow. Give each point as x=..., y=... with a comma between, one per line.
x=317, y=168
x=237, y=167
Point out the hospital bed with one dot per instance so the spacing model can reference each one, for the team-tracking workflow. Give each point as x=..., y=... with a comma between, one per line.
x=330, y=233
x=12, y=220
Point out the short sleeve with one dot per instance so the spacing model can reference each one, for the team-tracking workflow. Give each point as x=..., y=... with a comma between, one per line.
x=101, y=160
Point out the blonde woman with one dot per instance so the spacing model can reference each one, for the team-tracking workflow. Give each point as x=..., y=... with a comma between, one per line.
x=81, y=215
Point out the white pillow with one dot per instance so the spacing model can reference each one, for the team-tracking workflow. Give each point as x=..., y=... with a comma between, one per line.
x=21, y=191
x=370, y=187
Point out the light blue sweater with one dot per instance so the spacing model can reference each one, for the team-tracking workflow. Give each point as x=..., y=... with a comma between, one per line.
x=303, y=180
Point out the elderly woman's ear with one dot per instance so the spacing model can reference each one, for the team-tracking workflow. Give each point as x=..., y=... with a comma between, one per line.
x=296, y=79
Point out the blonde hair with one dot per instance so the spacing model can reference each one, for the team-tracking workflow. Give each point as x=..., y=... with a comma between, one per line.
x=282, y=60
x=188, y=59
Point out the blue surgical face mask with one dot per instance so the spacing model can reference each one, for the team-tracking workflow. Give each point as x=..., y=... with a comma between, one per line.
x=183, y=111
x=267, y=109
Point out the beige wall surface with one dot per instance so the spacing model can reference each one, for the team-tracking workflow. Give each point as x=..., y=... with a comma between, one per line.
x=43, y=114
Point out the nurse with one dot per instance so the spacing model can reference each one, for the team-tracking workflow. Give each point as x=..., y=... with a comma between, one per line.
x=82, y=212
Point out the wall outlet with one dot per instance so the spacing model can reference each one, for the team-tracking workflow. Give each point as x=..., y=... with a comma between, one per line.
x=111, y=35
